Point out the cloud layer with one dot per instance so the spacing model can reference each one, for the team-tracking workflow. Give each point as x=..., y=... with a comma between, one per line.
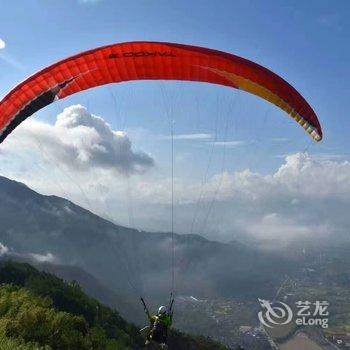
x=82, y=141
x=41, y=258
x=2, y=44
x=306, y=196
x=3, y=250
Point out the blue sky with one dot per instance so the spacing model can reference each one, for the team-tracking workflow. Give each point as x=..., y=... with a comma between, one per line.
x=306, y=42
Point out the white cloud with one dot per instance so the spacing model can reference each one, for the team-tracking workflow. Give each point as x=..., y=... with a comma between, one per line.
x=12, y=61
x=89, y=1
x=273, y=225
x=303, y=175
x=48, y=257
x=305, y=196
x=328, y=156
x=299, y=176
x=3, y=249
x=81, y=141
x=280, y=139
x=44, y=257
x=7, y=58
x=190, y=137
x=228, y=144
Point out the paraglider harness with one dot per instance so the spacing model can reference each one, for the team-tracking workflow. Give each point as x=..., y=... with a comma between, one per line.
x=159, y=324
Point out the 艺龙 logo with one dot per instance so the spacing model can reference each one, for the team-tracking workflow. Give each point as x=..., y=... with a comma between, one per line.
x=307, y=313
x=274, y=314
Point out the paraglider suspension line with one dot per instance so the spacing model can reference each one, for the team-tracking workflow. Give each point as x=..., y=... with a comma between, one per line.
x=172, y=211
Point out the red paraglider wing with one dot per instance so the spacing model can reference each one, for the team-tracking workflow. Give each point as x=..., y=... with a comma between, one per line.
x=151, y=60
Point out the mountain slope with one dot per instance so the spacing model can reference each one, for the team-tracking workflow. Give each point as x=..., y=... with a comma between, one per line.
x=38, y=310
x=129, y=261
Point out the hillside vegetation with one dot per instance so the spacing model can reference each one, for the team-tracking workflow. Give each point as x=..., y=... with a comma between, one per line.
x=40, y=311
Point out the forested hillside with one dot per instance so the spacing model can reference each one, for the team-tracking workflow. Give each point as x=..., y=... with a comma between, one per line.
x=40, y=311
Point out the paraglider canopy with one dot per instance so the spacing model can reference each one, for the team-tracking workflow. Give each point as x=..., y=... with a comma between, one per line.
x=151, y=60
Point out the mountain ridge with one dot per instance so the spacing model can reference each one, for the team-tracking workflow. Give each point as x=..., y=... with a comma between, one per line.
x=54, y=228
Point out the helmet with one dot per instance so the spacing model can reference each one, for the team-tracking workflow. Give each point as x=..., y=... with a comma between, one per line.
x=162, y=310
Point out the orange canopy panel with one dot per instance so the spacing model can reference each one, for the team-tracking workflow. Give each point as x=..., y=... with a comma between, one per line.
x=151, y=61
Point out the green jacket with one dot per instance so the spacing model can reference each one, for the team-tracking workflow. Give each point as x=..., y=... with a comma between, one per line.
x=164, y=319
